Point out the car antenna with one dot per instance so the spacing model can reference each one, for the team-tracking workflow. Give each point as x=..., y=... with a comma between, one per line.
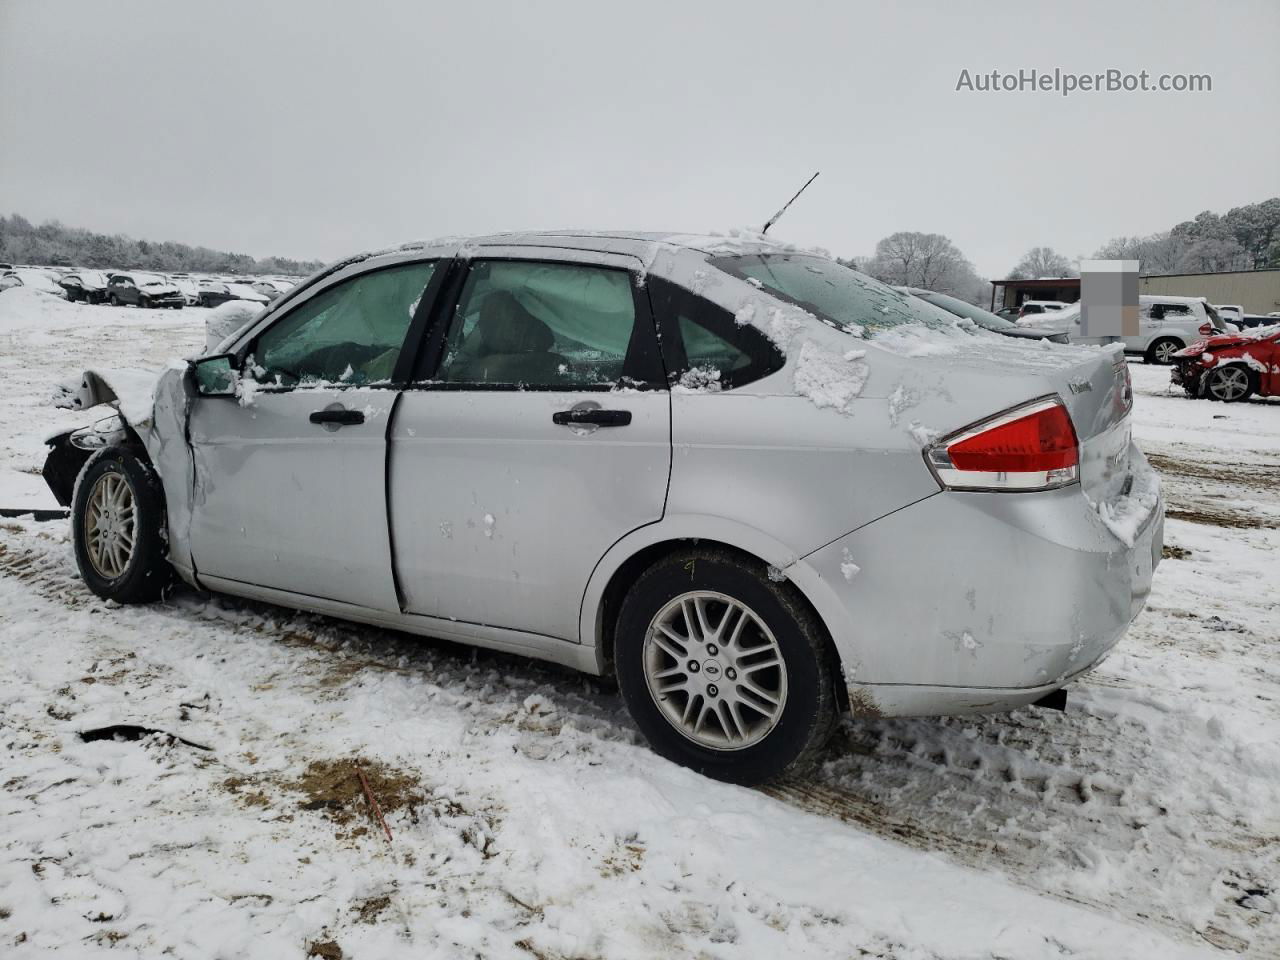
x=774, y=219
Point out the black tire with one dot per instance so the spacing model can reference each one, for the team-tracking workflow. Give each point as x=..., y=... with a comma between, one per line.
x=809, y=711
x=147, y=572
x=1158, y=345
x=1216, y=387
x=113, y=300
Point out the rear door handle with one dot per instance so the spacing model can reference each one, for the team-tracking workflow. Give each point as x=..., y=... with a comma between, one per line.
x=599, y=418
x=343, y=418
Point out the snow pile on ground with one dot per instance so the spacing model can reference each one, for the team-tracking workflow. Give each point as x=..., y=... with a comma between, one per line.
x=24, y=308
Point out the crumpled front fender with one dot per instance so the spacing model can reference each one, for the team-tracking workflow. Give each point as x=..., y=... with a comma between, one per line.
x=154, y=405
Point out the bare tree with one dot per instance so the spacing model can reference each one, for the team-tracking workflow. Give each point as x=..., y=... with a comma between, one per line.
x=1158, y=253
x=1041, y=262
x=927, y=260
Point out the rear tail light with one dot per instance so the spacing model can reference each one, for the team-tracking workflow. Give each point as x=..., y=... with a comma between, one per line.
x=1206, y=329
x=1030, y=447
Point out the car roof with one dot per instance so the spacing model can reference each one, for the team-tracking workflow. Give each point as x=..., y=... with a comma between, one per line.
x=638, y=243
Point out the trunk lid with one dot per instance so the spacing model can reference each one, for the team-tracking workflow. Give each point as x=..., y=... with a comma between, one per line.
x=1098, y=394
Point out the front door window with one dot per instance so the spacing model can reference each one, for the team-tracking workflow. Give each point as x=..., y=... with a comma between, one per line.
x=350, y=334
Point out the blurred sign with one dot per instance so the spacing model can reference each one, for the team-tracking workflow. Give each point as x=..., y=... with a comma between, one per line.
x=1109, y=298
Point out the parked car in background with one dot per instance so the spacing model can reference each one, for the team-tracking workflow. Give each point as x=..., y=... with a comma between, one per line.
x=1230, y=312
x=213, y=293
x=143, y=290
x=1165, y=325
x=1032, y=307
x=476, y=443
x=35, y=279
x=1231, y=367
x=271, y=289
x=1250, y=320
x=983, y=318
x=89, y=286
x=187, y=285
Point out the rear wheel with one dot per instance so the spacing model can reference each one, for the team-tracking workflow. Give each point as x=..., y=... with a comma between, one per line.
x=1162, y=350
x=725, y=670
x=1230, y=384
x=117, y=522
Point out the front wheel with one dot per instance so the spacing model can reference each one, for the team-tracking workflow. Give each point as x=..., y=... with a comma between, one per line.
x=117, y=523
x=1162, y=350
x=1229, y=384
x=725, y=670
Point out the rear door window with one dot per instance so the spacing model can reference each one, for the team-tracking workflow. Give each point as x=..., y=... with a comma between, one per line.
x=703, y=345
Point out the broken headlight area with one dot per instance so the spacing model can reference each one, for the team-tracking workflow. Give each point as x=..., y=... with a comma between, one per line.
x=104, y=433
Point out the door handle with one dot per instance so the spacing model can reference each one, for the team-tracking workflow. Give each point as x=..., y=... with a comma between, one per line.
x=596, y=417
x=340, y=417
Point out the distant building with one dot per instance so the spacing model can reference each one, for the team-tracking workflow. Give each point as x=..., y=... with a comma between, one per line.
x=1014, y=293
x=1258, y=291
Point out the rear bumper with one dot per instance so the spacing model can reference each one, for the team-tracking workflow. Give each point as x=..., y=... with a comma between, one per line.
x=982, y=602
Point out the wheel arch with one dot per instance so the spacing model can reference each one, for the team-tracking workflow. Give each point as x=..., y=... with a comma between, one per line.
x=640, y=549
x=1255, y=380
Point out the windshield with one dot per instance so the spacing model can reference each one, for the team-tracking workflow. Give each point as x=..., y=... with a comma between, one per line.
x=832, y=292
x=961, y=309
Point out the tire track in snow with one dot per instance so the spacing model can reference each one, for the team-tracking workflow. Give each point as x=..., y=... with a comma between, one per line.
x=1004, y=792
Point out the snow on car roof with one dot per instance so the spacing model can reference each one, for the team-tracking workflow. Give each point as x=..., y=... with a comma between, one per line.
x=1165, y=298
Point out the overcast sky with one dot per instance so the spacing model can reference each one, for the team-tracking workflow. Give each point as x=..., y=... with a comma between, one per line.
x=314, y=129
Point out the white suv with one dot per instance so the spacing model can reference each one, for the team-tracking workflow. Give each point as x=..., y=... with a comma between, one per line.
x=1165, y=325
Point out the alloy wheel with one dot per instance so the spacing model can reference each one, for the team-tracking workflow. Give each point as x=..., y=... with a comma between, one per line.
x=1229, y=383
x=110, y=525
x=715, y=670
x=1165, y=350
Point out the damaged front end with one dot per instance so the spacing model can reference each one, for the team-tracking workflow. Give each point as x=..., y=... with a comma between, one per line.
x=150, y=416
x=70, y=451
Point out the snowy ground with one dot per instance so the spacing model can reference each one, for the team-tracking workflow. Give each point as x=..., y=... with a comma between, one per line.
x=529, y=822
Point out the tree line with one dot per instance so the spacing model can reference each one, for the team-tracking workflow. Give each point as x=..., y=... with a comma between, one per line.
x=53, y=244
x=1244, y=238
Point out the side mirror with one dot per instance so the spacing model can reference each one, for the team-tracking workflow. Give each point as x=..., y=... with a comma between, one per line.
x=215, y=376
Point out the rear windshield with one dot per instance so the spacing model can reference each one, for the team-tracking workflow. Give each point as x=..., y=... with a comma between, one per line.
x=833, y=292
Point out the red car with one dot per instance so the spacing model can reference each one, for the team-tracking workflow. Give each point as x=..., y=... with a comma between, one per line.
x=1231, y=367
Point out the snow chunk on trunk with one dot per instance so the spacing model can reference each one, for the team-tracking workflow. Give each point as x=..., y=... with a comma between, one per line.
x=830, y=379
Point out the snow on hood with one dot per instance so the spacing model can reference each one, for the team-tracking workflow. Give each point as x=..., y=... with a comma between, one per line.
x=131, y=390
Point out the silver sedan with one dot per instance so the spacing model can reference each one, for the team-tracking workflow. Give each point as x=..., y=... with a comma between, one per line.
x=757, y=487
